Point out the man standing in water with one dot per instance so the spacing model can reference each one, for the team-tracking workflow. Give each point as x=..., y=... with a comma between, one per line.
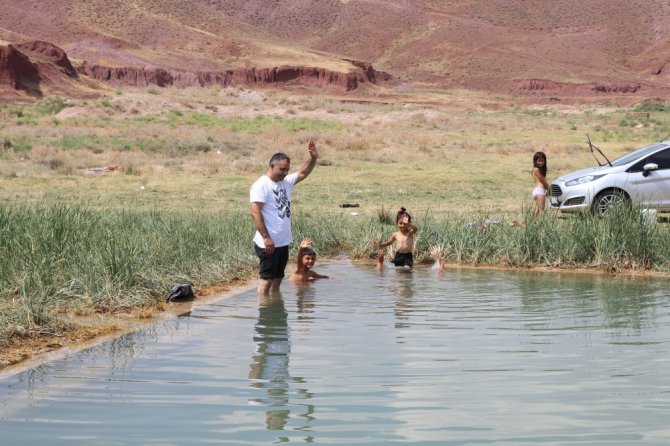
x=270, y=198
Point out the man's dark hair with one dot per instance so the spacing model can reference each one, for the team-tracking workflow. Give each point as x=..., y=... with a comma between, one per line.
x=279, y=156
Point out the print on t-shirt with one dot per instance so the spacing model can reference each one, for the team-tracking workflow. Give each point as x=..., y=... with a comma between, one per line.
x=282, y=203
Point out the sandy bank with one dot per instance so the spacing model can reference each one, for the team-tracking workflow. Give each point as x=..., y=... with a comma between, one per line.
x=36, y=349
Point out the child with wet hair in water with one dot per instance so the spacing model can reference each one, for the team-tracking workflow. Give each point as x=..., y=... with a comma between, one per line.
x=305, y=263
x=404, y=240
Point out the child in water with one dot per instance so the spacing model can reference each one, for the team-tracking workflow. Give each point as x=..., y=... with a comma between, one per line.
x=305, y=263
x=404, y=240
x=541, y=186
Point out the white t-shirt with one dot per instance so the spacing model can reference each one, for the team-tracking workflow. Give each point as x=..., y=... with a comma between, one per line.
x=276, y=209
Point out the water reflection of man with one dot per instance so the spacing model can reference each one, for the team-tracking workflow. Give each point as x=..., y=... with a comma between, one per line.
x=269, y=366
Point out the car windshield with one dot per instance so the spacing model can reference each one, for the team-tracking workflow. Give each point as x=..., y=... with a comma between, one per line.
x=633, y=156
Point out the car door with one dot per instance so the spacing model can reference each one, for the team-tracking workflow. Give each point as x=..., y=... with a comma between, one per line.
x=652, y=190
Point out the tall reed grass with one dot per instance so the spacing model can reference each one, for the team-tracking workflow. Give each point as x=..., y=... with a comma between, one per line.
x=625, y=239
x=61, y=257
x=57, y=258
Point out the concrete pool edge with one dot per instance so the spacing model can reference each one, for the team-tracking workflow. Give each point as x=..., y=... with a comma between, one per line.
x=49, y=348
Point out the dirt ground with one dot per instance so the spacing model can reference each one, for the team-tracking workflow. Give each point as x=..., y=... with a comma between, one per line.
x=36, y=348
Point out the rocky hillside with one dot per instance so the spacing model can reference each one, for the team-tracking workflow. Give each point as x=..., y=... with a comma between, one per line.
x=531, y=48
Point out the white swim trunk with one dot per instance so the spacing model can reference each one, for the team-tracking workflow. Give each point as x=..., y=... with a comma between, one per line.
x=538, y=191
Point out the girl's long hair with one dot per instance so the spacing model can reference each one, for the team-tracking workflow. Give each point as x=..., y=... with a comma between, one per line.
x=537, y=156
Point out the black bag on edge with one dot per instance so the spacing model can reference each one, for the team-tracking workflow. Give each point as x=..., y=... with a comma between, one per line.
x=180, y=292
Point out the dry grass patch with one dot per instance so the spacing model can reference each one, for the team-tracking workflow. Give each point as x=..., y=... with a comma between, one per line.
x=201, y=148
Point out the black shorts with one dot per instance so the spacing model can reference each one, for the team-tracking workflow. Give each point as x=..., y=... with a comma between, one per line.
x=403, y=259
x=272, y=266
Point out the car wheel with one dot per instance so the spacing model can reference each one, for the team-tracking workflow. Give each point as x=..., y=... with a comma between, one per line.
x=607, y=200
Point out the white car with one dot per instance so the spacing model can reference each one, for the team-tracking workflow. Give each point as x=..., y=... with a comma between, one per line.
x=641, y=178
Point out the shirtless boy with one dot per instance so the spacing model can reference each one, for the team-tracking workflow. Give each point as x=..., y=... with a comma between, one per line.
x=306, y=259
x=404, y=240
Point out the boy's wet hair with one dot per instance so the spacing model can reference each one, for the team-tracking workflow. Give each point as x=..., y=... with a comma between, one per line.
x=307, y=251
x=279, y=156
x=402, y=212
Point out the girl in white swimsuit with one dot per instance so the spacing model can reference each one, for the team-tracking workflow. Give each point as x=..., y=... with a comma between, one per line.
x=538, y=191
x=541, y=186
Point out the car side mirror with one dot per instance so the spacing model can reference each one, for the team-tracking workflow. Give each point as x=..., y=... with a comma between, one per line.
x=648, y=168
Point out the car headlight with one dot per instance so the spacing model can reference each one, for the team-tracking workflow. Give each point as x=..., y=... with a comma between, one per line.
x=584, y=179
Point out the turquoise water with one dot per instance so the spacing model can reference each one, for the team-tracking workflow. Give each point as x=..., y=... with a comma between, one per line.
x=466, y=358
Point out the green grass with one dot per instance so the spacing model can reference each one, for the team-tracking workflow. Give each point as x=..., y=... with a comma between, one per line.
x=176, y=208
x=77, y=141
x=50, y=105
x=258, y=124
x=652, y=107
x=19, y=145
x=62, y=257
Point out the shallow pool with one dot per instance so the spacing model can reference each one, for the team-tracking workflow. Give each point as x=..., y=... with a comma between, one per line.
x=465, y=358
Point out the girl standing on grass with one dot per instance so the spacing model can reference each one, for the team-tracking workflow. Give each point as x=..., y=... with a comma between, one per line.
x=541, y=186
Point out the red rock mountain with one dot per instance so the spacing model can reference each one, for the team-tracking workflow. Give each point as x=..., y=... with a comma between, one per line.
x=531, y=48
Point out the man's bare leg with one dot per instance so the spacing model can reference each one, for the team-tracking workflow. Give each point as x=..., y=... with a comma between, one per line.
x=274, y=287
x=267, y=286
x=264, y=286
